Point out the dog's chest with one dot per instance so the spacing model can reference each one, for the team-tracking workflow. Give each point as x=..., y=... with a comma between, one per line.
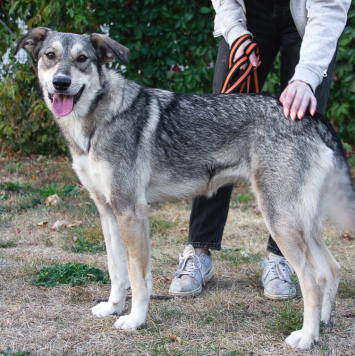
x=95, y=175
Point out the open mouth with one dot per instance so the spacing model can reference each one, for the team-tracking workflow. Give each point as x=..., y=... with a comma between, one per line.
x=62, y=105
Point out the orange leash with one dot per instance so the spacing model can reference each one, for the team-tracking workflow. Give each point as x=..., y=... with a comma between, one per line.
x=238, y=80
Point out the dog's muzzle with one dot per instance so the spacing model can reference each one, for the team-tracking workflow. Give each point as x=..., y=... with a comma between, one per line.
x=62, y=104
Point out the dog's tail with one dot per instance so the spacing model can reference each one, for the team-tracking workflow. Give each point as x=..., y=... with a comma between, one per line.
x=340, y=195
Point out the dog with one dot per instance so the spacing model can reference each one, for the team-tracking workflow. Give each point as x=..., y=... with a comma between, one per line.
x=132, y=146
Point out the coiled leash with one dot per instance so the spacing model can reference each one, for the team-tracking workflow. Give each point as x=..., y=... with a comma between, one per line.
x=238, y=79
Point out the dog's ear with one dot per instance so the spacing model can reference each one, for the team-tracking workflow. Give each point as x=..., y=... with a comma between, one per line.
x=108, y=49
x=32, y=41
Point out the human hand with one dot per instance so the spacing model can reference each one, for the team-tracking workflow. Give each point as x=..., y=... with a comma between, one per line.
x=240, y=52
x=295, y=99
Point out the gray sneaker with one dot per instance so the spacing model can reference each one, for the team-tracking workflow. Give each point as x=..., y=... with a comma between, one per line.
x=276, y=278
x=193, y=271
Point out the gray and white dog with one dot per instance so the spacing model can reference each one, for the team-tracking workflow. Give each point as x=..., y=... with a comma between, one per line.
x=132, y=146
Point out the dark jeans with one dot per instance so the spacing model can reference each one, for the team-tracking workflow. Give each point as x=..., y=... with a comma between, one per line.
x=271, y=23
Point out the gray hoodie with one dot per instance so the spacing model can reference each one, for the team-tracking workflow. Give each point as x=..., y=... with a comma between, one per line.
x=319, y=23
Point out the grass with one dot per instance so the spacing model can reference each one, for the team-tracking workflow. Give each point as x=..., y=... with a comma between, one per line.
x=347, y=288
x=161, y=227
x=9, y=352
x=287, y=316
x=82, y=245
x=53, y=188
x=74, y=274
x=88, y=239
x=230, y=317
x=7, y=243
x=239, y=256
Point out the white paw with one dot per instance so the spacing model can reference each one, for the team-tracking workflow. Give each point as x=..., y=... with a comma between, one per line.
x=128, y=323
x=105, y=308
x=300, y=340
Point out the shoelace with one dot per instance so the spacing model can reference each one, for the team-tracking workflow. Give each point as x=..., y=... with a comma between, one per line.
x=278, y=269
x=188, y=269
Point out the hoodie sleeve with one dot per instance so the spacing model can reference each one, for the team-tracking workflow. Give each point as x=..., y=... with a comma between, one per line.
x=230, y=21
x=326, y=21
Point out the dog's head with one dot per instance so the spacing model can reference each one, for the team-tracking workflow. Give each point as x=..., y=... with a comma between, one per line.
x=69, y=65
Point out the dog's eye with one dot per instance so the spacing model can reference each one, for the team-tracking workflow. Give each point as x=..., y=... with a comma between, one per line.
x=82, y=58
x=50, y=55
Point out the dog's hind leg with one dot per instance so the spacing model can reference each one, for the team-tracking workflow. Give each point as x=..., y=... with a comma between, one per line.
x=333, y=270
x=117, y=263
x=295, y=223
x=134, y=229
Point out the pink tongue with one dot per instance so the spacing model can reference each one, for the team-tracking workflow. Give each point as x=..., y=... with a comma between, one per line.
x=62, y=105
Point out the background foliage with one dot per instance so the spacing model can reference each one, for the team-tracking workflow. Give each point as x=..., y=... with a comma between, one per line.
x=171, y=47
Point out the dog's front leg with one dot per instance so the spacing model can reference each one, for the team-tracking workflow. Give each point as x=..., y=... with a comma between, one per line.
x=117, y=263
x=134, y=228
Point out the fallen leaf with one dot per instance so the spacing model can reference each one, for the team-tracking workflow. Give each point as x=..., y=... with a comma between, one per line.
x=58, y=223
x=347, y=236
x=52, y=200
x=175, y=338
x=91, y=275
x=42, y=223
x=34, y=177
x=75, y=223
x=182, y=229
x=85, y=203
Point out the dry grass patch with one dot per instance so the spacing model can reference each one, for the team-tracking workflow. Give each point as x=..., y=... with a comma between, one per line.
x=230, y=317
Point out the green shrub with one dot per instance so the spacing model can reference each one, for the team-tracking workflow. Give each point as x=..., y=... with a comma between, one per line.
x=171, y=47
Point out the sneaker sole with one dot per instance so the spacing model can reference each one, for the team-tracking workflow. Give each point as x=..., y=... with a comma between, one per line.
x=195, y=292
x=279, y=297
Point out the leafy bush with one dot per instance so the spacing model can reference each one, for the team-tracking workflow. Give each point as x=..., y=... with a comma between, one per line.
x=171, y=43
x=70, y=273
x=171, y=47
x=341, y=105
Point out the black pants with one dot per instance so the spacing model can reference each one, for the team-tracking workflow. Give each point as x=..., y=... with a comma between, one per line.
x=272, y=25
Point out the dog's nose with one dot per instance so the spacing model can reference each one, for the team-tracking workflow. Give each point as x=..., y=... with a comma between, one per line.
x=61, y=82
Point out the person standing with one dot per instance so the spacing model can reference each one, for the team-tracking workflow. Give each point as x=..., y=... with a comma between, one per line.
x=306, y=32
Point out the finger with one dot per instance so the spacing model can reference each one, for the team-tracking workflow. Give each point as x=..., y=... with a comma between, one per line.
x=296, y=103
x=253, y=59
x=237, y=56
x=287, y=99
x=313, y=105
x=255, y=68
x=283, y=96
x=240, y=51
x=303, y=106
